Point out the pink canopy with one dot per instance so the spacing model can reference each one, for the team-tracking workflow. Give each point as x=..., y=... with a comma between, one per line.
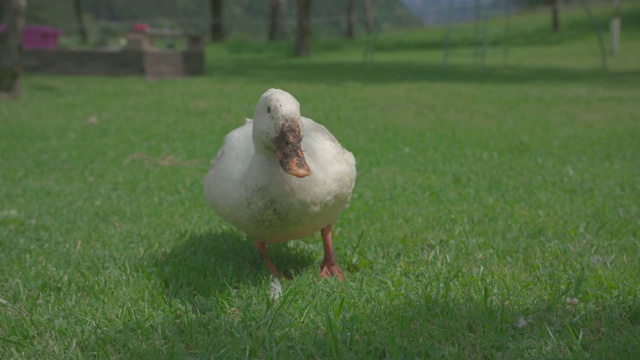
x=38, y=36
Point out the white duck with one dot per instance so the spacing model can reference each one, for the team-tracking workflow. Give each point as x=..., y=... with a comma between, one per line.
x=280, y=177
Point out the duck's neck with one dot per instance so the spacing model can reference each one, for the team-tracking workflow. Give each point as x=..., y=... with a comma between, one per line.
x=263, y=144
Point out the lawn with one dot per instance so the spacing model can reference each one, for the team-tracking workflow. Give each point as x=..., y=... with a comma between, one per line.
x=495, y=215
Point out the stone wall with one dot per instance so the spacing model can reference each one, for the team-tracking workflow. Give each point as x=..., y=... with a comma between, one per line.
x=154, y=64
x=160, y=64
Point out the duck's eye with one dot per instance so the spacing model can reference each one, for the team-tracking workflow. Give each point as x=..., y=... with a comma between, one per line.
x=269, y=109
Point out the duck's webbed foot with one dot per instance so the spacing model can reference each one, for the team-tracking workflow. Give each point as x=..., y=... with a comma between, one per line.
x=329, y=266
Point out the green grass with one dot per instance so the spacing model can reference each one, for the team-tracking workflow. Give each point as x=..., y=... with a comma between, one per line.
x=495, y=213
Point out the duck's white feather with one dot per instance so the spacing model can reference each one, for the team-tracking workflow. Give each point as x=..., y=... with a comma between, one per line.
x=250, y=190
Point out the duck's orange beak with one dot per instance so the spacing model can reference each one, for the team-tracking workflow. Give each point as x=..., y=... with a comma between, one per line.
x=289, y=150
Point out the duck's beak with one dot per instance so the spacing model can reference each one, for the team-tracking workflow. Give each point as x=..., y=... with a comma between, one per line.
x=289, y=150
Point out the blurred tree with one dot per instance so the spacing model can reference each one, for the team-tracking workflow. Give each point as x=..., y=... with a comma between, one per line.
x=368, y=15
x=11, y=49
x=476, y=16
x=82, y=29
x=555, y=15
x=351, y=7
x=1, y=10
x=277, y=13
x=246, y=18
x=303, y=32
x=217, y=32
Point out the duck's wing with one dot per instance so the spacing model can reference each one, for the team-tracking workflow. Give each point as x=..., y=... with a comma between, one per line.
x=237, y=145
x=318, y=139
x=229, y=166
x=318, y=133
x=333, y=165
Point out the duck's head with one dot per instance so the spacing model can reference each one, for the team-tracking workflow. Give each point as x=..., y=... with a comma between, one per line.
x=277, y=128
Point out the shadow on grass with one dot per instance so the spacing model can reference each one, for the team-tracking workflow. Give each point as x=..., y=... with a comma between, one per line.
x=394, y=71
x=40, y=86
x=207, y=263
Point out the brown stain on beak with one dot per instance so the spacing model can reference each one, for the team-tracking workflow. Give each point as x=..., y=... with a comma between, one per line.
x=289, y=151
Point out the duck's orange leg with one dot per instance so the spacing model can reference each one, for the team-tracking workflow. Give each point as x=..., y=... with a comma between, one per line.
x=264, y=253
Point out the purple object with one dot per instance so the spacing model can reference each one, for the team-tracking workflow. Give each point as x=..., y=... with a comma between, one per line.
x=38, y=36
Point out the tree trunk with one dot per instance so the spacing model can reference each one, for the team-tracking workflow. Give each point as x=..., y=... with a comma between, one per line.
x=351, y=12
x=277, y=11
x=555, y=16
x=1, y=11
x=11, y=49
x=82, y=30
x=476, y=16
x=303, y=34
x=368, y=15
x=217, y=32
